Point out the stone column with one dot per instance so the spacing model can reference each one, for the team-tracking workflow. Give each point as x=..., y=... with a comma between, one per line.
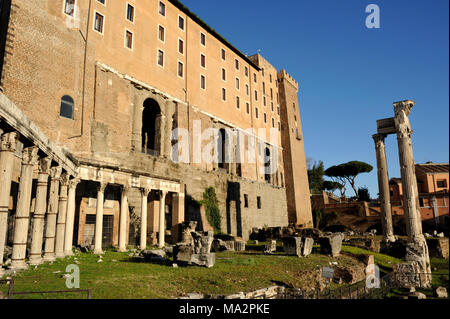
x=22, y=218
x=62, y=213
x=52, y=213
x=417, y=249
x=39, y=211
x=123, y=219
x=99, y=219
x=162, y=219
x=70, y=218
x=434, y=206
x=178, y=208
x=8, y=145
x=144, y=204
x=383, y=186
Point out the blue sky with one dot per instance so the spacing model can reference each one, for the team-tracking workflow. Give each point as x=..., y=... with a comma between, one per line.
x=350, y=75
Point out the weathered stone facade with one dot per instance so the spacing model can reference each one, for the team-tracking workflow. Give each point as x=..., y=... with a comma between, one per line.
x=121, y=158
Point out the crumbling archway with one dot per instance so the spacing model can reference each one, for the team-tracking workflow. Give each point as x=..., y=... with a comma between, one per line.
x=151, y=127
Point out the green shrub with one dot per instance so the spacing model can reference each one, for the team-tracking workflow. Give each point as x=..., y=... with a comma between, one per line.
x=212, y=208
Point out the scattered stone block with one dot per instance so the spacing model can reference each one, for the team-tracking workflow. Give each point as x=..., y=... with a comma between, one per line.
x=292, y=246
x=239, y=246
x=441, y=292
x=366, y=259
x=331, y=245
x=416, y=295
x=182, y=253
x=207, y=260
x=307, y=246
x=438, y=247
x=198, y=253
x=153, y=255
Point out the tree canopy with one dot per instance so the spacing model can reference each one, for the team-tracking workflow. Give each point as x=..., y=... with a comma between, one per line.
x=348, y=172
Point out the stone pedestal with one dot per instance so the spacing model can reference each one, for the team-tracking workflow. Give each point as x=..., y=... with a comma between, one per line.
x=62, y=214
x=307, y=246
x=292, y=246
x=331, y=245
x=39, y=212
x=52, y=212
x=70, y=218
x=8, y=145
x=384, y=191
x=22, y=218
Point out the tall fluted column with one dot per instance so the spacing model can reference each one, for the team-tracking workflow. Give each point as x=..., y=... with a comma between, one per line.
x=22, y=218
x=8, y=145
x=52, y=213
x=144, y=204
x=123, y=219
x=99, y=219
x=39, y=211
x=417, y=249
x=70, y=218
x=62, y=213
x=162, y=219
x=383, y=186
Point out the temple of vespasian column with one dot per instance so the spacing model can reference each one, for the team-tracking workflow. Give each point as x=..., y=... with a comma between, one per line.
x=417, y=249
x=58, y=174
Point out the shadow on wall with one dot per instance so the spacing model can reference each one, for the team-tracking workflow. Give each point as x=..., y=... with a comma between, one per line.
x=192, y=212
x=234, y=217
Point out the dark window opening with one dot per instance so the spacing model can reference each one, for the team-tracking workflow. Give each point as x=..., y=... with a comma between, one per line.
x=151, y=122
x=258, y=202
x=66, y=108
x=245, y=200
x=222, y=148
x=267, y=165
x=421, y=202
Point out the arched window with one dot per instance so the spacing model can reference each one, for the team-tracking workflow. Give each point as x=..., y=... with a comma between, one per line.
x=151, y=124
x=66, y=108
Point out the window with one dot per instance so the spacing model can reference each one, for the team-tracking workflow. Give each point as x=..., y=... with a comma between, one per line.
x=66, y=107
x=262, y=71
x=264, y=88
x=273, y=122
x=247, y=106
x=246, y=71
x=271, y=106
x=256, y=112
x=203, y=82
x=180, y=69
x=69, y=7
x=271, y=94
x=238, y=84
x=162, y=9
x=278, y=110
x=238, y=104
x=254, y=77
x=264, y=100
x=180, y=46
x=129, y=39
x=161, y=33
x=202, y=39
x=270, y=78
x=421, y=203
x=223, y=54
x=245, y=200
x=224, y=94
x=130, y=13
x=265, y=118
x=247, y=89
x=236, y=64
x=98, y=23
x=101, y=1
x=256, y=95
x=441, y=183
x=203, y=60
x=258, y=202
x=160, y=57
x=181, y=23
x=224, y=74
x=279, y=126
x=277, y=98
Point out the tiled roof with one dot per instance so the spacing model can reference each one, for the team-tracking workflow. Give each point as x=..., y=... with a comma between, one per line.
x=433, y=168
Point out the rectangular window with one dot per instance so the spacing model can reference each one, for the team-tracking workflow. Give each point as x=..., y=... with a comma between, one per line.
x=256, y=112
x=162, y=9
x=247, y=89
x=245, y=200
x=98, y=24
x=246, y=71
x=265, y=118
x=262, y=71
x=161, y=33
x=273, y=122
x=130, y=13
x=238, y=102
x=441, y=183
x=129, y=40
x=203, y=82
x=236, y=64
x=224, y=74
x=264, y=100
x=247, y=105
x=161, y=57
x=180, y=46
x=278, y=110
x=181, y=23
x=271, y=106
x=258, y=202
x=180, y=69
x=421, y=203
x=279, y=126
x=202, y=39
x=223, y=55
x=264, y=88
x=203, y=60
x=271, y=94
x=238, y=86
x=256, y=95
x=254, y=77
x=224, y=94
x=101, y=1
x=270, y=78
x=69, y=7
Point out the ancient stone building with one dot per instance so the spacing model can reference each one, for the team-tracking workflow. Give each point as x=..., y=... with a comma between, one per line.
x=107, y=83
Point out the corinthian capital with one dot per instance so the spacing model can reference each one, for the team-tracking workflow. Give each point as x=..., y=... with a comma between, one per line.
x=30, y=155
x=64, y=180
x=55, y=172
x=379, y=139
x=9, y=142
x=44, y=165
x=73, y=183
x=403, y=107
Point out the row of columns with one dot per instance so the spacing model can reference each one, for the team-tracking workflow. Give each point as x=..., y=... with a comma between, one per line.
x=60, y=209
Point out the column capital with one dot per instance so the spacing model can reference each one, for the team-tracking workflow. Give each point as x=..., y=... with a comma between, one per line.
x=44, y=165
x=9, y=142
x=73, y=183
x=125, y=190
x=55, y=172
x=379, y=138
x=64, y=179
x=145, y=191
x=30, y=155
x=101, y=187
x=403, y=106
x=163, y=193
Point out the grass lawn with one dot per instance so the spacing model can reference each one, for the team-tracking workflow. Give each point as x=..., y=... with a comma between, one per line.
x=123, y=277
